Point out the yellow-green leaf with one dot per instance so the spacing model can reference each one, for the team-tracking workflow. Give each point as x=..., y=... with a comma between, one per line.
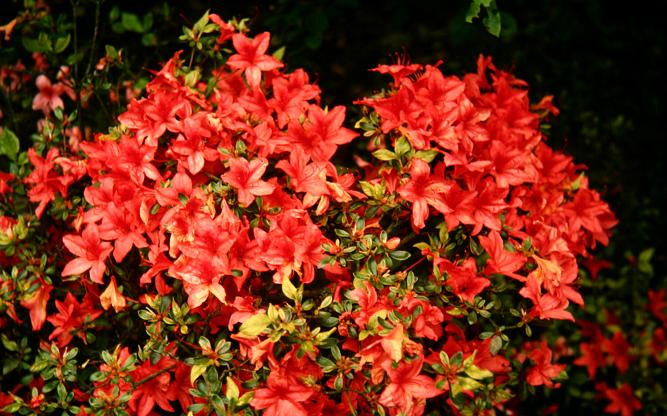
x=232, y=390
x=196, y=371
x=254, y=325
x=290, y=291
x=478, y=373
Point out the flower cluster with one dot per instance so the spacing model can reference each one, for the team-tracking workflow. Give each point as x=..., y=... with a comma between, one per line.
x=211, y=257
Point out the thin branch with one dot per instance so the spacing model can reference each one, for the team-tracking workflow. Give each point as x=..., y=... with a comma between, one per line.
x=152, y=376
x=93, y=47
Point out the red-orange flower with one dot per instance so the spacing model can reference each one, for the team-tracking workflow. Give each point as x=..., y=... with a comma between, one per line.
x=407, y=388
x=48, y=98
x=283, y=396
x=246, y=178
x=251, y=57
x=91, y=253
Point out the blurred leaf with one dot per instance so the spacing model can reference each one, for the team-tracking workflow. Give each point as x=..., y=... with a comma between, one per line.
x=34, y=45
x=644, y=261
x=491, y=21
x=61, y=44
x=9, y=144
x=131, y=22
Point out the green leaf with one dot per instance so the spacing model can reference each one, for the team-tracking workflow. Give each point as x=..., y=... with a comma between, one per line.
x=426, y=155
x=199, y=25
x=61, y=44
x=644, y=261
x=232, y=390
x=290, y=291
x=402, y=146
x=196, y=371
x=254, y=325
x=279, y=53
x=478, y=373
x=111, y=51
x=114, y=14
x=385, y=155
x=492, y=21
x=131, y=22
x=35, y=45
x=475, y=9
x=9, y=144
x=399, y=255
x=148, y=21
x=495, y=345
x=10, y=365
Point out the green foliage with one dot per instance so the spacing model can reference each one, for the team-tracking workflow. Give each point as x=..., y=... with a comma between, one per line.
x=492, y=21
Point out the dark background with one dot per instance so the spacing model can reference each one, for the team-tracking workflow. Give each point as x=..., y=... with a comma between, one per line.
x=602, y=60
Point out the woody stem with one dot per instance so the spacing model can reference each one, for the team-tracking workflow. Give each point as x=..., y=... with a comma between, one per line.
x=152, y=376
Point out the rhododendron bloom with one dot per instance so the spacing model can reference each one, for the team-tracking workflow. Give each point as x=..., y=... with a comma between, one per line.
x=618, y=349
x=70, y=318
x=251, y=57
x=48, y=98
x=91, y=253
x=543, y=372
x=321, y=133
x=423, y=190
x=44, y=180
x=622, y=400
x=283, y=396
x=36, y=302
x=407, y=388
x=111, y=297
x=246, y=178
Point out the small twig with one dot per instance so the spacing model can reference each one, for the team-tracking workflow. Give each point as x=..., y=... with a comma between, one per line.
x=93, y=47
x=74, y=4
x=77, y=80
x=152, y=376
x=192, y=58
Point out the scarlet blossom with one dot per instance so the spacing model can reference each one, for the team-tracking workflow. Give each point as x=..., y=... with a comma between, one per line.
x=4, y=186
x=546, y=306
x=226, y=30
x=70, y=319
x=408, y=388
x=48, y=98
x=154, y=385
x=36, y=302
x=91, y=253
x=246, y=178
x=618, y=349
x=501, y=261
x=44, y=181
x=321, y=133
x=398, y=71
x=251, y=57
x=282, y=396
x=591, y=357
x=424, y=189
x=622, y=400
x=463, y=279
x=657, y=304
x=543, y=372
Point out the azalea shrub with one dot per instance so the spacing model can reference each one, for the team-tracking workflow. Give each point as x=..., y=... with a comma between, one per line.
x=231, y=245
